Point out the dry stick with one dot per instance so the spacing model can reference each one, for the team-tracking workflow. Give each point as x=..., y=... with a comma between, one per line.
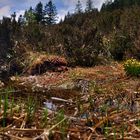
x=136, y=128
x=11, y=91
x=104, y=120
x=18, y=118
x=136, y=115
x=62, y=100
x=89, y=136
x=133, y=125
x=110, y=117
x=8, y=111
x=14, y=137
x=128, y=138
x=5, y=129
x=26, y=130
x=46, y=133
x=69, y=117
x=24, y=122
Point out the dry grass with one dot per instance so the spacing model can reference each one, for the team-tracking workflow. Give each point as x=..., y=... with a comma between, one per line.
x=110, y=109
x=35, y=62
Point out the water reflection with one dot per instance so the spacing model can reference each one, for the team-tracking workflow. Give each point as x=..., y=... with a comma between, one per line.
x=50, y=105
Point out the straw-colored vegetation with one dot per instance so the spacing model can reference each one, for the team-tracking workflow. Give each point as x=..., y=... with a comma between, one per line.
x=72, y=80
x=103, y=102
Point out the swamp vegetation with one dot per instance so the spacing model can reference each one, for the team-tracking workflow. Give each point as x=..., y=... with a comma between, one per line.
x=83, y=103
x=73, y=80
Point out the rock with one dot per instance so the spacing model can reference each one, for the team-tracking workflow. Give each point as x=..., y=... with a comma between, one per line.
x=67, y=85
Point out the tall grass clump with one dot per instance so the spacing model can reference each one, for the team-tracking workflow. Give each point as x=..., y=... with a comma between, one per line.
x=45, y=117
x=31, y=108
x=132, y=67
x=12, y=106
x=5, y=108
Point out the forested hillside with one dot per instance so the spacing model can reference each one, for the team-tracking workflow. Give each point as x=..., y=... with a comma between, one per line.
x=87, y=37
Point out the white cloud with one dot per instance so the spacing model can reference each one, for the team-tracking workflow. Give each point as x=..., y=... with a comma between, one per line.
x=18, y=13
x=9, y=6
x=61, y=14
x=96, y=3
x=5, y=11
x=70, y=4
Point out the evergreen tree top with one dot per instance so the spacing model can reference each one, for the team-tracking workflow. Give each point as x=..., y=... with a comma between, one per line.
x=78, y=8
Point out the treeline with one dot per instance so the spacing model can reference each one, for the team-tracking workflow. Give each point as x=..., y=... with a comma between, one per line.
x=45, y=15
x=111, y=5
x=86, y=37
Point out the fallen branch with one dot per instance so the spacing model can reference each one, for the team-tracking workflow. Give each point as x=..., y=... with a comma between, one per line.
x=106, y=119
x=14, y=137
x=26, y=130
x=61, y=100
x=46, y=133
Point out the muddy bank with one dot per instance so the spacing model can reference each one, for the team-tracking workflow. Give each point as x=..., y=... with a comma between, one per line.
x=49, y=84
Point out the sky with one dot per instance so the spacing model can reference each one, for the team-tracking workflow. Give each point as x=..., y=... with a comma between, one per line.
x=7, y=7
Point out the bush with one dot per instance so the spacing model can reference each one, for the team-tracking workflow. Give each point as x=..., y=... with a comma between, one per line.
x=83, y=47
x=132, y=67
x=120, y=44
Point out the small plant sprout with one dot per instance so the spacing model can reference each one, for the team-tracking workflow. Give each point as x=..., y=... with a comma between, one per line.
x=79, y=105
x=122, y=130
x=138, y=122
x=91, y=102
x=11, y=107
x=114, y=136
x=30, y=108
x=106, y=132
x=5, y=108
x=45, y=117
x=0, y=103
x=60, y=115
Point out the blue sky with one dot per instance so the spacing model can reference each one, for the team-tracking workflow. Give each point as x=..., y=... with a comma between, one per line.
x=19, y=6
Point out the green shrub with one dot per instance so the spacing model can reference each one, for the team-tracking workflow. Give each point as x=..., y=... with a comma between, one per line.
x=120, y=44
x=132, y=67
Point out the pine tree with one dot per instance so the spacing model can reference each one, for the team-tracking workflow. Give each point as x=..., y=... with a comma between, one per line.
x=89, y=5
x=39, y=15
x=68, y=15
x=14, y=24
x=78, y=8
x=29, y=16
x=50, y=13
x=13, y=17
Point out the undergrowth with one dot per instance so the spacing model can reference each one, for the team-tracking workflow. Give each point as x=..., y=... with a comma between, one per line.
x=132, y=67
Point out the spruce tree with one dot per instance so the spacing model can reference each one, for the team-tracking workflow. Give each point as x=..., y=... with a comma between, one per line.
x=89, y=6
x=39, y=15
x=67, y=16
x=50, y=13
x=78, y=8
x=29, y=16
x=13, y=17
